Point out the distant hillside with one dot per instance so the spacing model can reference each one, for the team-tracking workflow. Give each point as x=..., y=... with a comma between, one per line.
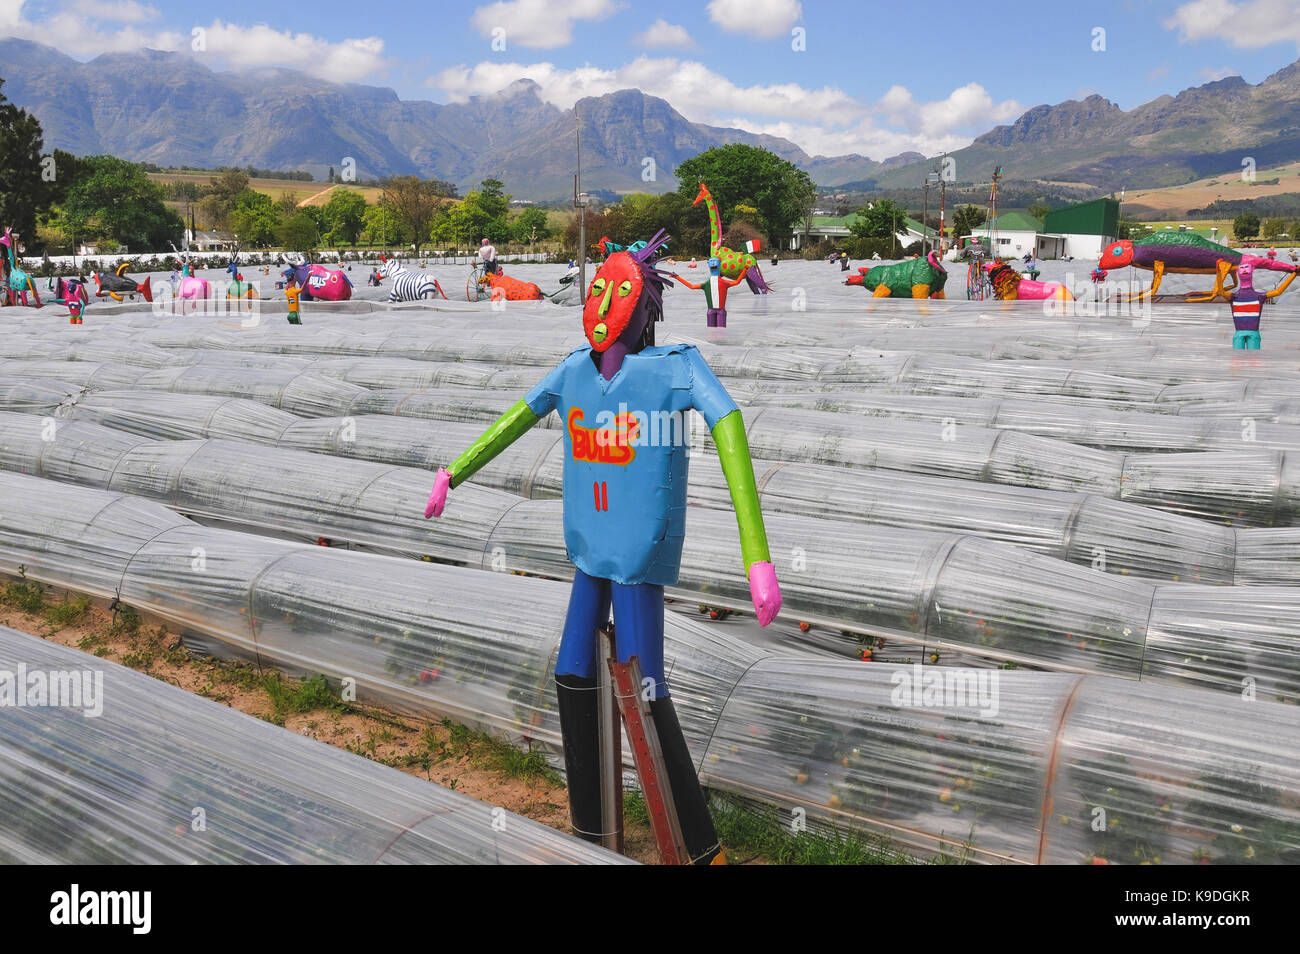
x=1171, y=140
x=169, y=109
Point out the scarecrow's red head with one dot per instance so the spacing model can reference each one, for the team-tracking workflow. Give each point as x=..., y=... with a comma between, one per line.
x=613, y=304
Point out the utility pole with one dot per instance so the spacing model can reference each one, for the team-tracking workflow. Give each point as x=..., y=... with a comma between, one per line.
x=580, y=200
x=943, y=202
x=931, y=179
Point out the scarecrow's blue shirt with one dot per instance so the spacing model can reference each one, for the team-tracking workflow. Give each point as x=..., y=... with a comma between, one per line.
x=626, y=450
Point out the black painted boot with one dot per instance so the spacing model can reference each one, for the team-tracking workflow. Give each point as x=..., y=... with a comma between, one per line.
x=580, y=729
x=692, y=807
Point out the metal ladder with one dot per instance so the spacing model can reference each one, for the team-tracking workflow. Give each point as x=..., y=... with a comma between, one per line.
x=622, y=696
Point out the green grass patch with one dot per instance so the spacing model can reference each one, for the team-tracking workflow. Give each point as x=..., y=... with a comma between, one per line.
x=746, y=830
x=23, y=594
x=126, y=622
x=488, y=752
x=310, y=695
x=69, y=612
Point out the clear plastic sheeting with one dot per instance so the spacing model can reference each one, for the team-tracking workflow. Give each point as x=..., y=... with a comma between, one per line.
x=1105, y=534
x=393, y=373
x=80, y=536
x=87, y=374
x=1240, y=486
x=260, y=487
x=964, y=769
x=122, y=787
x=444, y=404
x=1095, y=424
x=35, y=395
x=430, y=445
x=978, y=597
x=303, y=394
x=180, y=416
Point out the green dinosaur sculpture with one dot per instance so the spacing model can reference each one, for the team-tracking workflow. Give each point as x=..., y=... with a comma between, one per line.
x=914, y=278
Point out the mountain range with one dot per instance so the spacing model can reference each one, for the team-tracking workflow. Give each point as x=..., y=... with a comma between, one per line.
x=1202, y=131
x=172, y=110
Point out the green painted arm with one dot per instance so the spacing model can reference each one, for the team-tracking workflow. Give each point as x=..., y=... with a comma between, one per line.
x=738, y=467
x=507, y=429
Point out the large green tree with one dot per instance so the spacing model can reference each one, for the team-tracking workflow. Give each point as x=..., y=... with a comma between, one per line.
x=113, y=198
x=965, y=218
x=415, y=203
x=220, y=197
x=255, y=217
x=1245, y=226
x=530, y=226
x=380, y=226
x=344, y=216
x=25, y=183
x=879, y=219
x=738, y=173
x=298, y=233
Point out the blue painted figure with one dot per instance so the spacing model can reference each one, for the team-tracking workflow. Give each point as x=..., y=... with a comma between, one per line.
x=626, y=404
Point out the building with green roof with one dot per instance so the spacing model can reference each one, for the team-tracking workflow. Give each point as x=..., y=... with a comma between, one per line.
x=1081, y=230
x=1010, y=235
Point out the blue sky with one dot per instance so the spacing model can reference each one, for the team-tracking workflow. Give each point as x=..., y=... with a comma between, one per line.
x=950, y=72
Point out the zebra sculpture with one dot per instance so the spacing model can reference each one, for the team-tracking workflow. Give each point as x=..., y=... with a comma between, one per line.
x=408, y=285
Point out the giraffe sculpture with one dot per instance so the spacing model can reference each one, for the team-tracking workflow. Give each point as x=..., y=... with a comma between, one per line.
x=20, y=282
x=734, y=264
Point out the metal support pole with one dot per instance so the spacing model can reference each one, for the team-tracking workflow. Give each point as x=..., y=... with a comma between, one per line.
x=611, y=748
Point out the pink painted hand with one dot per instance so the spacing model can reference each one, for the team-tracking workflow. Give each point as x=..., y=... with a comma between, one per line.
x=765, y=591
x=438, y=496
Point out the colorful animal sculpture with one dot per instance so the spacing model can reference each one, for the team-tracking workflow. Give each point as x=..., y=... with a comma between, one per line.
x=1009, y=285
x=191, y=288
x=1248, y=303
x=715, y=292
x=511, y=289
x=68, y=292
x=625, y=492
x=734, y=263
x=408, y=285
x=913, y=278
x=19, y=281
x=1169, y=252
x=117, y=284
x=238, y=287
x=318, y=282
x=72, y=295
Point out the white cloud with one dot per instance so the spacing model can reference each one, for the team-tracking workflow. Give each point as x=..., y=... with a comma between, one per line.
x=1248, y=25
x=825, y=121
x=84, y=20
x=11, y=14
x=541, y=24
x=1209, y=74
x=765, y=19
x=93, y=24
x=665, y=34
x=241, y=46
